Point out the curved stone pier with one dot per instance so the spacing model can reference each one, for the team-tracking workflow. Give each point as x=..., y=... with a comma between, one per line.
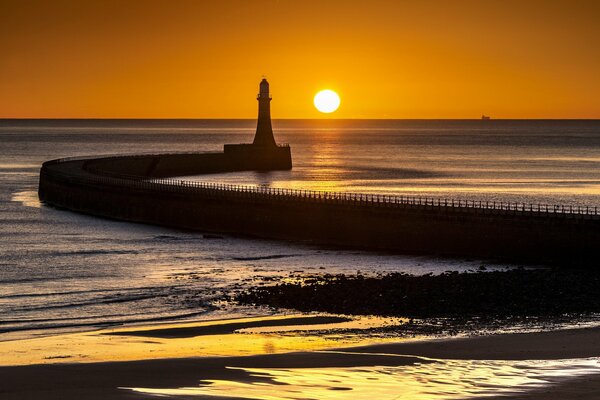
x=137, y=188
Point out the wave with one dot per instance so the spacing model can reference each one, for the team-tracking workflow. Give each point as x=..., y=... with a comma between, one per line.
x=97, y=252
x=101, y=323
x=167, y=237
x=272, y=257
x=21, y=295
x=45, y=279
x=94, y=302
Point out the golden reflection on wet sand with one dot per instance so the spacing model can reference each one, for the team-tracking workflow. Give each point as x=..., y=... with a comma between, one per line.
x=376, y=376
x=131, y=343
x=442, y=379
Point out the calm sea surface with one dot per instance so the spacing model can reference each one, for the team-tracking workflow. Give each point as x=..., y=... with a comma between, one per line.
x=60, y=270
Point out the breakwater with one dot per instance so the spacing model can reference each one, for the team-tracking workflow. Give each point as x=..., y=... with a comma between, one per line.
x=137, y=188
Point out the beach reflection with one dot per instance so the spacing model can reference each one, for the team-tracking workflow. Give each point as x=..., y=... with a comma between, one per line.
x=442, y=379
x=228, y=337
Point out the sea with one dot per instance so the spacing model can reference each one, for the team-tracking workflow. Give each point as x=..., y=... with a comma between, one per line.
x=62, y=271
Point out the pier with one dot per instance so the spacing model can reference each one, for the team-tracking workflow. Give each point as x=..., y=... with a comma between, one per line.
x=527, y=233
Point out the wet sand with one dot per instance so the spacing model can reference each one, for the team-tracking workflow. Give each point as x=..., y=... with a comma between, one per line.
x=582, y=388
x=62, y=379
x=553, y=345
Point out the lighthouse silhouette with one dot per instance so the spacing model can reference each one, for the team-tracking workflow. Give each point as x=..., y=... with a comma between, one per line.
x=263, y=153
x=264, y=130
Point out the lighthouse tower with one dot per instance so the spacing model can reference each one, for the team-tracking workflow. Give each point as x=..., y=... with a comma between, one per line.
x=263, y=154
x=264, y=131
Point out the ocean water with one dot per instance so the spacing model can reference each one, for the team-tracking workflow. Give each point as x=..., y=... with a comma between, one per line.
x=64, y=271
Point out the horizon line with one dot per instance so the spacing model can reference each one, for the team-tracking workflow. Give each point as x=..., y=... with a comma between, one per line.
x=285, y=119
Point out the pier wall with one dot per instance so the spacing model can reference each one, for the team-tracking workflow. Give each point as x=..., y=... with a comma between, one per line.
x=239, y=157
x=130, y=189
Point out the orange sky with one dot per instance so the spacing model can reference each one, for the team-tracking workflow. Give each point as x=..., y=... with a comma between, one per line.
x=386, y=59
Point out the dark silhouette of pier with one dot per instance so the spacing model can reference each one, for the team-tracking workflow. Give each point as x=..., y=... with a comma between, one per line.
x=139, y=188
x=417, y=225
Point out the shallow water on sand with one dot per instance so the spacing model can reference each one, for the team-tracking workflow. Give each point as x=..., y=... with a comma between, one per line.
x=64, y=271
x=426, y=380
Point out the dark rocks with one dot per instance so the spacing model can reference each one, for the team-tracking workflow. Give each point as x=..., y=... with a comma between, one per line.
x=510, y=293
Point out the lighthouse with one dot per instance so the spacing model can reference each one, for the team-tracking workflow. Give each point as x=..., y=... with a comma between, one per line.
x=263, y=154
x=264, y=131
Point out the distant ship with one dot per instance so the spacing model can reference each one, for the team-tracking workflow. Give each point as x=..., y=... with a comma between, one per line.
x=485, y=117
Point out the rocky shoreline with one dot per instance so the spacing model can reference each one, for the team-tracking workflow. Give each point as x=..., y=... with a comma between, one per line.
x=496, y=294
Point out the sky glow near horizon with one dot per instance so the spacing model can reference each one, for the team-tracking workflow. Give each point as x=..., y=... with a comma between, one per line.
x=388, y=59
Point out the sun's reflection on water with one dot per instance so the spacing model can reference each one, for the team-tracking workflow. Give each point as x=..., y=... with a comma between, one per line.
x=28, y=198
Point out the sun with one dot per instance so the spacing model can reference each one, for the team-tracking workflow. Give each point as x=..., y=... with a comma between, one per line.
x=327, y=101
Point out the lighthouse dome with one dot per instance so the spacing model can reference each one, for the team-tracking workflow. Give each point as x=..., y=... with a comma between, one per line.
x=264, y=86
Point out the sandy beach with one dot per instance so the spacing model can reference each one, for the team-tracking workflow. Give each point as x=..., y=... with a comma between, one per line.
x=297, y=363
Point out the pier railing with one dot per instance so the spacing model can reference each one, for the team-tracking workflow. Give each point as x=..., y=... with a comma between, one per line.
x=380, y=199
x=345, y=198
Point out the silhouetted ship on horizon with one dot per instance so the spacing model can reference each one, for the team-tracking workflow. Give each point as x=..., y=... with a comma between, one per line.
x=485, y=117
